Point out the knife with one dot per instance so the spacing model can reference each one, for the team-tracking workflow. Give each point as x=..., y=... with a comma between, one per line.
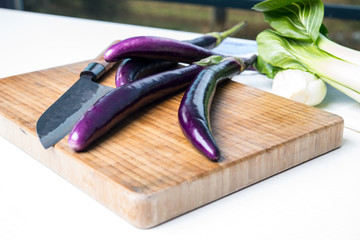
x=57, y=121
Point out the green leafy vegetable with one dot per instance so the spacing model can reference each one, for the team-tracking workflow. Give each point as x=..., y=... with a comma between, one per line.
x=271, y=5
x=292, y=54
x=266, y=68
x=299, y=20
x=299, y=42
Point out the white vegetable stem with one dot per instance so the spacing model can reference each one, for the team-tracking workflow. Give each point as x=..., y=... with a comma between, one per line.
x=337, y=50
x=299, y=86
x=344, y=73
x=351, y=93
x=328, y=67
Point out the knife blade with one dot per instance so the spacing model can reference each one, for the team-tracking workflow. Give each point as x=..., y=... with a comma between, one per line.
x=57, y=121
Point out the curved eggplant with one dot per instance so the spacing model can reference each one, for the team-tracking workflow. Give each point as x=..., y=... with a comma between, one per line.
x=156, y=48
x=121, y=102
x=131, y=69
x=195, y=105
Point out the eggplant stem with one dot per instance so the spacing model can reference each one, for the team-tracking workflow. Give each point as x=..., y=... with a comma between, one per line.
x=220, y=36
x=250, y=61
x=209, y=61
x=216, y=59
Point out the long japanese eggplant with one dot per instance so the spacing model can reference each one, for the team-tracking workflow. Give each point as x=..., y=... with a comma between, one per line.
x=133, y=68
x=121, y=102
x=152, y=47
x=194, y=110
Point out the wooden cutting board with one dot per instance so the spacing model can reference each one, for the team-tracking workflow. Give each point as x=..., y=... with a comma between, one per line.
x=145, y=170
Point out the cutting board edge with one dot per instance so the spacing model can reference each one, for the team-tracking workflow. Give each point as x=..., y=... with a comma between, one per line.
x=146, y=210
x=240, y=181
x=77, y=173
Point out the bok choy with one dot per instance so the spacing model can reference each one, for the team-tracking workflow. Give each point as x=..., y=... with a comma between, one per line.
x=298, y=41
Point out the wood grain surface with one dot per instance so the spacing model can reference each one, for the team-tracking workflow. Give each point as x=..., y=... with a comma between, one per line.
x=144, y=169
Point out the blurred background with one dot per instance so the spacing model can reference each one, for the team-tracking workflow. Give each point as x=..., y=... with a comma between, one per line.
x=182, y=16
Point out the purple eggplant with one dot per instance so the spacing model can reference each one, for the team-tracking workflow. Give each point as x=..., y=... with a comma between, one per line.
x=133, y=68
x=195, y=105
x=156, y=48
x=121, y=102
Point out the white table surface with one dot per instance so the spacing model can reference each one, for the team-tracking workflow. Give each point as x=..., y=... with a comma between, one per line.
x=319, y=199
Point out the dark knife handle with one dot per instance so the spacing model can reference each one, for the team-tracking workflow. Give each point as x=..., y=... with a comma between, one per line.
x=99, y=66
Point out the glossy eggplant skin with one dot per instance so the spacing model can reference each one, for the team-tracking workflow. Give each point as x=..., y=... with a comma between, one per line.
x=207, y=41
x=194, y=110
x=131, y=69
x=121, y=102
x=134, y=68
x=156, y=48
